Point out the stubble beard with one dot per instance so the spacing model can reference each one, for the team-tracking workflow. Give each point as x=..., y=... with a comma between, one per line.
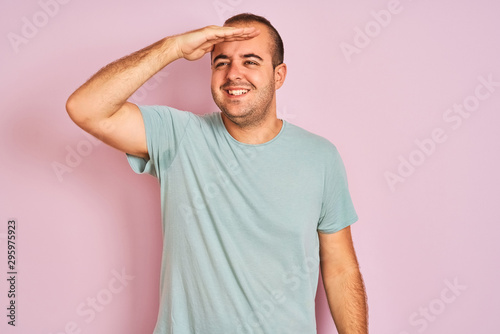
x=254, y=113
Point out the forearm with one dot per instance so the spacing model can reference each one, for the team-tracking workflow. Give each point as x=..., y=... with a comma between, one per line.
x=105, y=92
x=347, y=300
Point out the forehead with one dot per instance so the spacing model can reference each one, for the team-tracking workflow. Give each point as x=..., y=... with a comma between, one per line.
x=260, y=45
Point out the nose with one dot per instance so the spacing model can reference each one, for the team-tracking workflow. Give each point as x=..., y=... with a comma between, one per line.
x=234, y=72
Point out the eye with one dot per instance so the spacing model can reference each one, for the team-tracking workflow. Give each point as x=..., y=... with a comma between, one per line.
x=219, y=64
x=249, y=62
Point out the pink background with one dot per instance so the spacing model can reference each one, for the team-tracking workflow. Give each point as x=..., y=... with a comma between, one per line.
x=435, y=226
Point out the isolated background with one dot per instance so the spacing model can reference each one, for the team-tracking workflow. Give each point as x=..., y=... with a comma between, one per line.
x=413, y=239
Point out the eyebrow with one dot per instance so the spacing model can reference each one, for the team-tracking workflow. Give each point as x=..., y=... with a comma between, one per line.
x=221, y=56
x=252, y=55
x=248, y=55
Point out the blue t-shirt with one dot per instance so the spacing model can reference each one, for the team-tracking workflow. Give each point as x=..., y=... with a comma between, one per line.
x=240, y=223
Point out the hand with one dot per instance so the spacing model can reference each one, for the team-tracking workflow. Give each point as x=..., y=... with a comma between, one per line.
x=195, y=44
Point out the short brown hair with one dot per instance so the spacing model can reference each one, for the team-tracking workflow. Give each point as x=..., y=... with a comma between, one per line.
x=278, y=49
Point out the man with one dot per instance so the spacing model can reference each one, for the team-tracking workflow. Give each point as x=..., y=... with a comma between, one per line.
x=250, y=203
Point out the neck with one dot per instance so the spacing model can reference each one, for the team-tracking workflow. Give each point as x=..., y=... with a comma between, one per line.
x=255, y=134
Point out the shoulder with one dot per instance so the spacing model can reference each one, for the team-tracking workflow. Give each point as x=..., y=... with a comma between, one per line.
x=307, y=140
x=161, y=115
x=163, y=111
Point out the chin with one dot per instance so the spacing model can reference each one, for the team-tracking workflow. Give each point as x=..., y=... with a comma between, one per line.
x=231, y=113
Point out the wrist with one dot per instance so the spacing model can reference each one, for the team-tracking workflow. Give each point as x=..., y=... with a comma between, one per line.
x=172, y=49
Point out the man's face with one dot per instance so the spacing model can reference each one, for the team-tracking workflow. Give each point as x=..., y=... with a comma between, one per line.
x=243, y=81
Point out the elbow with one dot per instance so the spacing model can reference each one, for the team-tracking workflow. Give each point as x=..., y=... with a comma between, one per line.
x=75, y=111
x=71, y=108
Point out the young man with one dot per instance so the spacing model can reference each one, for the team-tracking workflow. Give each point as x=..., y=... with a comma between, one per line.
x=252, y=205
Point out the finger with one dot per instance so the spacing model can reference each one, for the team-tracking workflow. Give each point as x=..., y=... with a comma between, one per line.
x=230, y=39
x=245, y=31
x=245, y=34
x=237, y=38
x=232, y=32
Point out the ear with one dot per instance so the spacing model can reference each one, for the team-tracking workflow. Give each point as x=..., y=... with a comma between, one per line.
x=279, y=75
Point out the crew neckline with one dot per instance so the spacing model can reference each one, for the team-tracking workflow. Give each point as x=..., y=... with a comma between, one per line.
x=227, y=134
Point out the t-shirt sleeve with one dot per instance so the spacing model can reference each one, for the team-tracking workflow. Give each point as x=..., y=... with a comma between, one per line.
x=165, y=128
x=337, y=209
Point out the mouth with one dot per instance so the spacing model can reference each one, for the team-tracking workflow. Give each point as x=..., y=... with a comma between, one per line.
x=237, y=92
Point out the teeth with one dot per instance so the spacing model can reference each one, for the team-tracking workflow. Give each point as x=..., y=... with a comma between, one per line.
x=238, y=92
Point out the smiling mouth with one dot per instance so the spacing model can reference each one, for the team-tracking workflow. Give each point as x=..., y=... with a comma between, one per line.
x=237, y=92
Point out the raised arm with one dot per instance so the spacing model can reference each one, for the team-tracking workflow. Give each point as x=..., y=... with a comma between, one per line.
x=100, y=105
x=343, y=282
